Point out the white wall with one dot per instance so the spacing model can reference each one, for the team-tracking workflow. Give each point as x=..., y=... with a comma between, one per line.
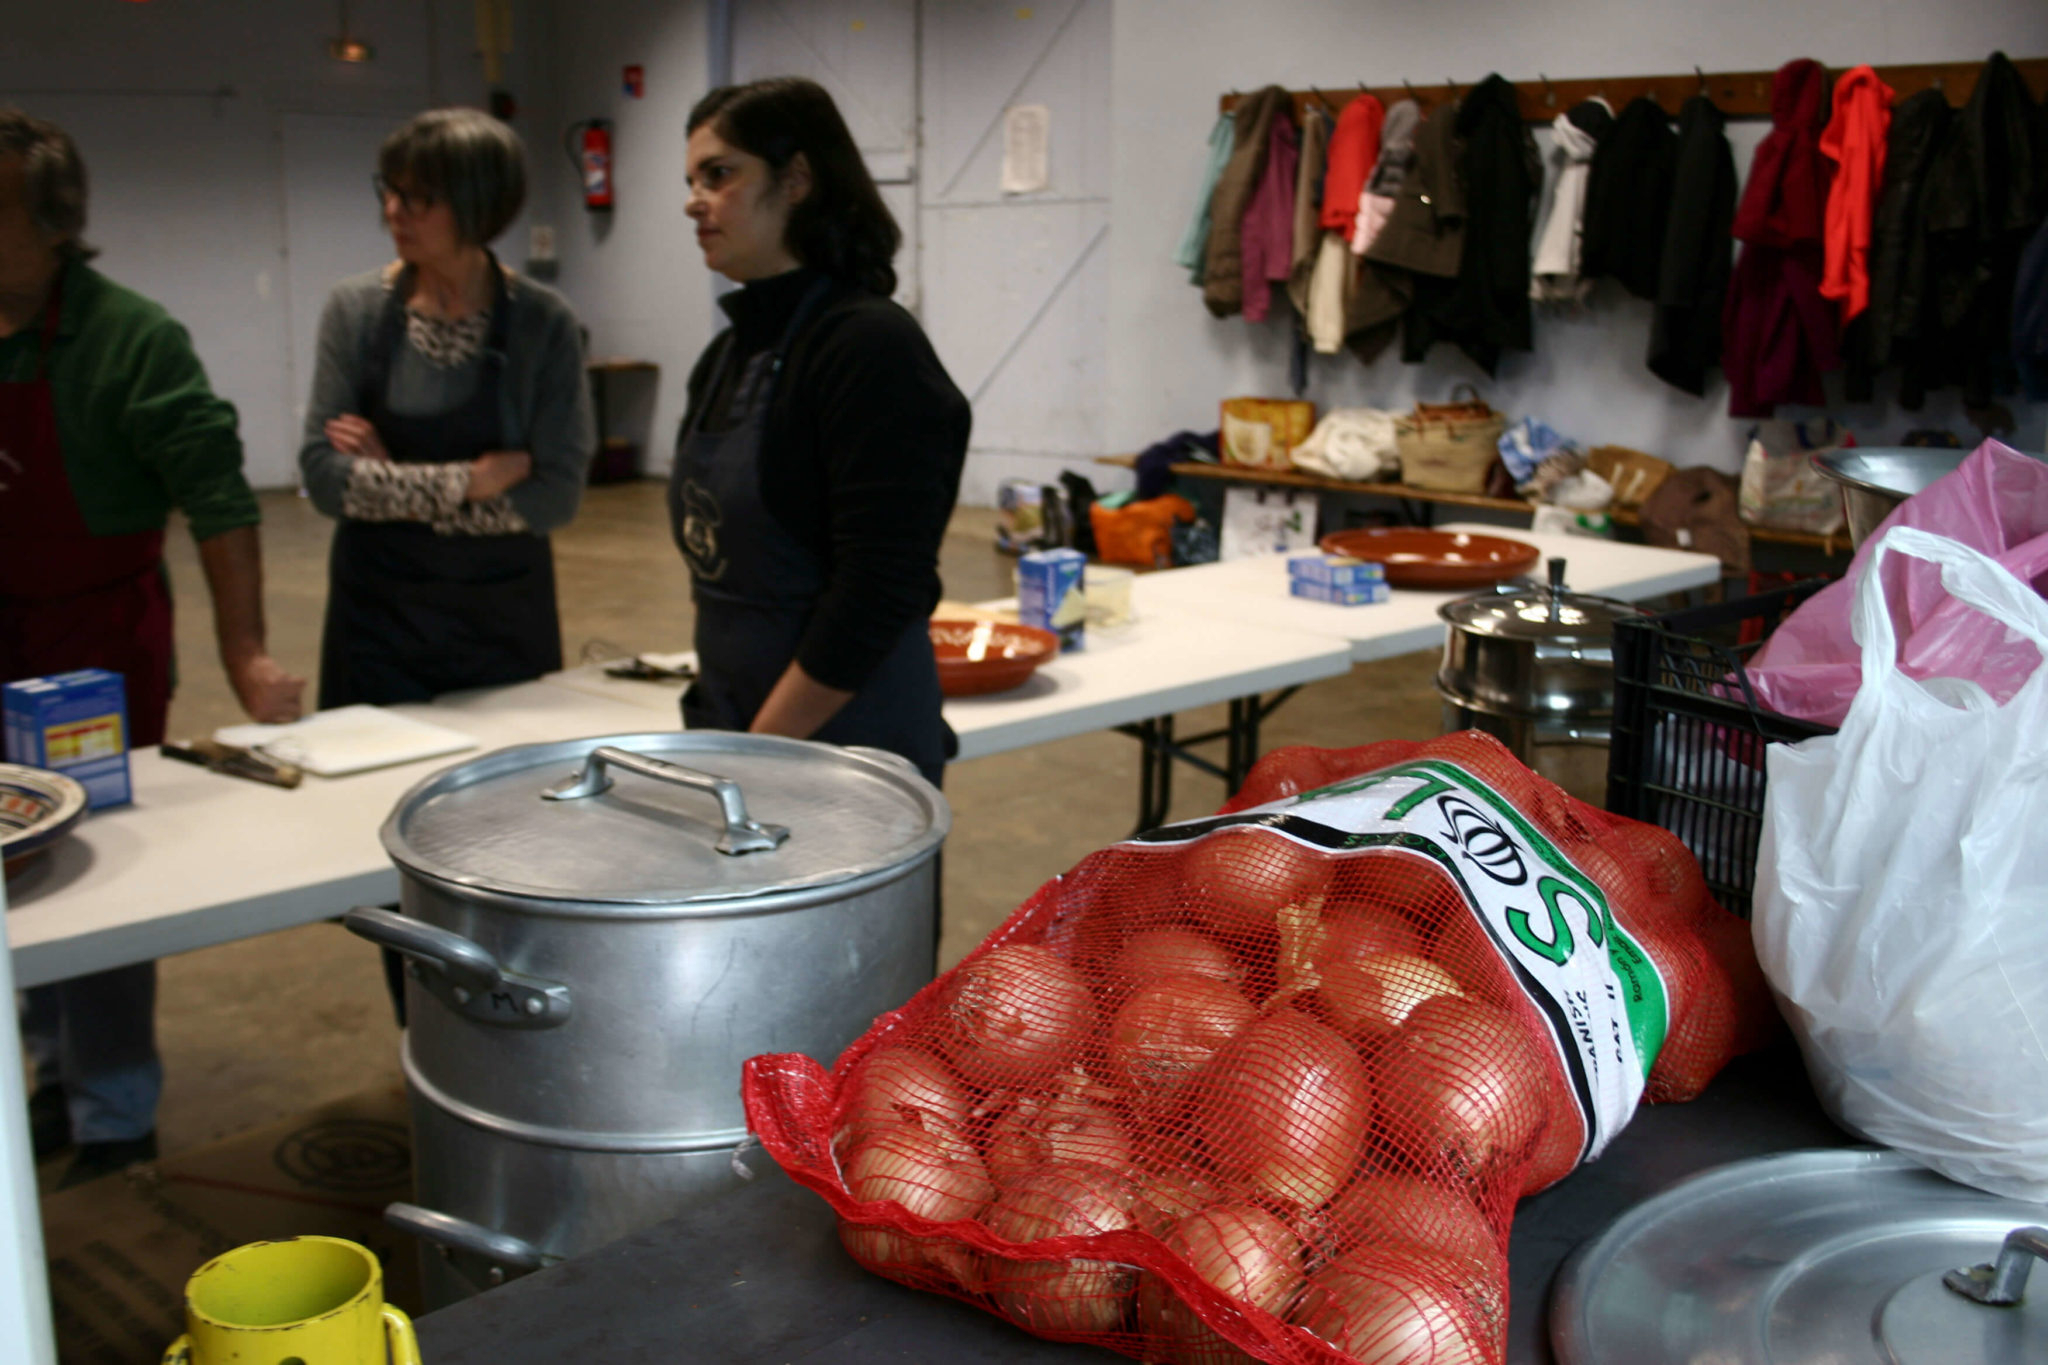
x=1169, y=362
x=634, y=276
x=230, y=161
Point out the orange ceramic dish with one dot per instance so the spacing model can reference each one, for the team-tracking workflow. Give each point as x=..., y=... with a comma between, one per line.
x=977, y=657
x=1436, y=561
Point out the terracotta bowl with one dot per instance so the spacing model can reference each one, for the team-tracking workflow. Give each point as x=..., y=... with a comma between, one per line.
x=977, y=657
x=37, y=808
x=1437, y=561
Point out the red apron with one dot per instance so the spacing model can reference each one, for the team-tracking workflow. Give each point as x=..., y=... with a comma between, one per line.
x=68, y=598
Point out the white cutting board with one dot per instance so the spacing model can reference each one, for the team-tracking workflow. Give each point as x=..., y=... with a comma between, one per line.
x=348, y=739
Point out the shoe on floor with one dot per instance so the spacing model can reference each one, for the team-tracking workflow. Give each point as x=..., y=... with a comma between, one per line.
x=49, y=1122
x=96, y=1159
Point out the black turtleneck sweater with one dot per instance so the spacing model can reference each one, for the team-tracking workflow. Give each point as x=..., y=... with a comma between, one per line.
x=860, y=459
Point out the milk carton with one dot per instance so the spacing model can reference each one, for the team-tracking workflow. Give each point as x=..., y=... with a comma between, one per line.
x=1049, y=594
x=75, y=724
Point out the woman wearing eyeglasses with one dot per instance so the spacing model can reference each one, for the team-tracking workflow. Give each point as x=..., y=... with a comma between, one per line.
x=448, y=433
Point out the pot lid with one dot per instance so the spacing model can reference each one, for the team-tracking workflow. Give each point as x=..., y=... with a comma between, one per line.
x=1832, y=1257
x=667, y=819
x=1538, y=613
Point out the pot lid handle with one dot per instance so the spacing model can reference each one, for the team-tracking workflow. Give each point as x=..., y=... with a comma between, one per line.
x=742, y=834
x=2003, y=1284
x=1557, y=587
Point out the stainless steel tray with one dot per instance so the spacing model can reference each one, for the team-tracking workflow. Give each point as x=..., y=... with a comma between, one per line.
x=1806, y=1258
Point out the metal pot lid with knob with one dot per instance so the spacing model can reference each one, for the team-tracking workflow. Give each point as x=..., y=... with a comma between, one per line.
x=702, y=822
x=1833, y=1257
x=1536, y=652
x=1551, y=614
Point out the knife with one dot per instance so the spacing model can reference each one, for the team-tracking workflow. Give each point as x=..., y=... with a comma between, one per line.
x=233, y=761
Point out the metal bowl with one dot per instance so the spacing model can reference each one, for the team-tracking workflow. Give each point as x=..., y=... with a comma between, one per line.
x=1875, y=479
x=37, y=807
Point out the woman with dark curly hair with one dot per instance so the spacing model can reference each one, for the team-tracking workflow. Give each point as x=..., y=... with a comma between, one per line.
x=448, y=432
x=819, y=460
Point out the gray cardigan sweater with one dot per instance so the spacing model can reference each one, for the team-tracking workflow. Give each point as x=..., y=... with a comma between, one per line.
x=544, y=402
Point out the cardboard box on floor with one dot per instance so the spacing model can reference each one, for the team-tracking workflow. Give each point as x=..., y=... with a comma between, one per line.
x=122, y=1247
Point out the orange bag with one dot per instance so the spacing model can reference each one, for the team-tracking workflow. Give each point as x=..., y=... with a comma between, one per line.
x=1139, y=534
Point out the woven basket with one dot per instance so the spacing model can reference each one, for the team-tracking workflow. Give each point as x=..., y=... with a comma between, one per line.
x=1449, y=447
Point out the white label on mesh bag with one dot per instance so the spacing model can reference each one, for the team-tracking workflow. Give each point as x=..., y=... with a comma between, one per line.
x=1602, y=996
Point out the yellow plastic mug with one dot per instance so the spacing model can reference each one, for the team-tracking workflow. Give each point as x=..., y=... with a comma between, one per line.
x=305, y=1301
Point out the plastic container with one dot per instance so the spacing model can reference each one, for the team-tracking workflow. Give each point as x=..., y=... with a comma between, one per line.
x=1108, y=593
x=1687, y=751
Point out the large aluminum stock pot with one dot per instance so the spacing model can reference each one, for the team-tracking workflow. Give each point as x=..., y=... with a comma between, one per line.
x=598, y=933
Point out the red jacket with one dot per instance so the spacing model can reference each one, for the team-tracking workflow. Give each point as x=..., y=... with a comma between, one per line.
x=1354, y=147
x=1855, y=142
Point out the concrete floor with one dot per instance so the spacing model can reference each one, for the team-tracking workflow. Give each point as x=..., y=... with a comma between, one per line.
x=258, y=1030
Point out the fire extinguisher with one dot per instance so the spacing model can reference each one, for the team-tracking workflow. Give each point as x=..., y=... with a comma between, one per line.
x=589, y=144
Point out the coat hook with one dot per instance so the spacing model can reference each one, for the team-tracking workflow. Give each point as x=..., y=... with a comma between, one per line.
x=1703, y=79
x=1549, y=95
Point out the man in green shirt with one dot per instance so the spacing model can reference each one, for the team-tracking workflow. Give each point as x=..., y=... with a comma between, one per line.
x=106, y=424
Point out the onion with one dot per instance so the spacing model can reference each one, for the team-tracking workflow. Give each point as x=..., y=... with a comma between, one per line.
x=1396, y=1307
x=1390, y=1206
x=1060, y=1296
x=1237, y=879
x=1168, y=1031
x=1163, y=1198
x=1464, y=1079
x=1334, y=929
x=1239, y=1249
x=1285, y=1107
x=1066, y=1128
x=902, y=1085
x=1153, y=953
x=1014, y=1014
x=1557, y=1151
x=1369, y=998
x=926, y=1178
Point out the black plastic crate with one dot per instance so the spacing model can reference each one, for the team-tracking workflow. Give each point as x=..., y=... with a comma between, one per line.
x=1689, y=734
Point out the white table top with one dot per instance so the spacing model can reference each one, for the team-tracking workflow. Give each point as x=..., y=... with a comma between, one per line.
x=1254, y=591
x=201, y=859
x=1172, y=658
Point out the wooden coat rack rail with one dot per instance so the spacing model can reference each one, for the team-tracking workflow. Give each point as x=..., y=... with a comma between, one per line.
x=1740, y=94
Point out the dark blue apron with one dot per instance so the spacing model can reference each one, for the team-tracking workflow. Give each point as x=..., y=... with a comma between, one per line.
x=412, y=614
x=755, y=586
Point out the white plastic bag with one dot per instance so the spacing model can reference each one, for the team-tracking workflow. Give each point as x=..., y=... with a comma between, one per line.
x=1351, y=443
x=1901, y=905
x=1267, y=521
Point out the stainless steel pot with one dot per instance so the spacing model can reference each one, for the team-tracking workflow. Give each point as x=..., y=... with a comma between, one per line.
x=1531, y=665
x=599, y=932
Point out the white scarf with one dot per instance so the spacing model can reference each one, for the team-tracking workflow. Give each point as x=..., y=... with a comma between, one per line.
x=1555, y=274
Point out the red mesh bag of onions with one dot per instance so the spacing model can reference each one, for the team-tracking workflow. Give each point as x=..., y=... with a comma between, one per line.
x=1268, y=1085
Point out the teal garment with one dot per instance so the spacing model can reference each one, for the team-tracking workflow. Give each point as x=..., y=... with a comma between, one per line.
x=1194, y=243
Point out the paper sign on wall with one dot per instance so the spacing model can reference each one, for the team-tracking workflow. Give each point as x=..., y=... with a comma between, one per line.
x=1025, y=129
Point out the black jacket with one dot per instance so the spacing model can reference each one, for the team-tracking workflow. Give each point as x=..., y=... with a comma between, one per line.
x=1698, y=250
x=1982, y=203
x=1487, y=308
x=1628, y=199
x=1888, y=331
x=860, y=460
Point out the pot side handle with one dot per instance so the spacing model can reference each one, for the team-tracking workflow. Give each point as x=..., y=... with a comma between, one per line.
x=742, y=833
x=508, y=1255
x=460, y=973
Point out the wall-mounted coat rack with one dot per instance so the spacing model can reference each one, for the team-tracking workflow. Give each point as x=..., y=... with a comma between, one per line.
x=1740, y=94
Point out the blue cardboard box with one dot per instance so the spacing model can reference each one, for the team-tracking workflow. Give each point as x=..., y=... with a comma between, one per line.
x=1342, y=595
x=75, y=724
x=1336, y=571
x=1049, y=594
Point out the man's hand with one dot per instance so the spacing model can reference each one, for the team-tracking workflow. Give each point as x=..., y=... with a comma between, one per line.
x=353, y=435
x=266, y=691
x=494, y=471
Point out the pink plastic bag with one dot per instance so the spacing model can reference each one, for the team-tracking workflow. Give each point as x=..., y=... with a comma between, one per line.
x=1996, y=501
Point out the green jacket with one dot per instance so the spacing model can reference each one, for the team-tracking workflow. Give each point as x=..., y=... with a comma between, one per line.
x=141, y=430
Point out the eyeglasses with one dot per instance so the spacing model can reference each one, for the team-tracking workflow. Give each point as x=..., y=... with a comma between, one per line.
x=412, y=201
